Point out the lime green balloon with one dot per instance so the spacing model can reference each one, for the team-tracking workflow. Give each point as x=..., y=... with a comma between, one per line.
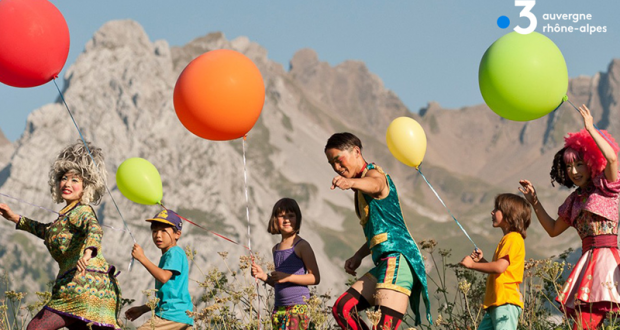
x=523, y=76
x=139, y=181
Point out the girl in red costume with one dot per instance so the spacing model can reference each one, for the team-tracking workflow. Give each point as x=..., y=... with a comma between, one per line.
x=588, y=161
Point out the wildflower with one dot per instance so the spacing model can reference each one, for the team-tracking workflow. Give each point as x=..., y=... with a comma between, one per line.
x=428, y=244
x=151, y=301
x=44, y=296
x=438, y=321
x=530, y=264
x=464, y=286
x=245, y=262
x=374, y=317
x=15, y=296
x=190, y=253
x=224, y=255
x=445, y=253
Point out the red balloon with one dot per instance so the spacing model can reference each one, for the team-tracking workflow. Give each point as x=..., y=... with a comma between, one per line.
x=34, y=42
x=219, y=95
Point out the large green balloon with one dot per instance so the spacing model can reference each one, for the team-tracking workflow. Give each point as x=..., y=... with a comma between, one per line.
x=523, y=76
x=139, y=181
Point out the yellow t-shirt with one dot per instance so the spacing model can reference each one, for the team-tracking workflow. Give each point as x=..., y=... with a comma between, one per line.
x=504, y=288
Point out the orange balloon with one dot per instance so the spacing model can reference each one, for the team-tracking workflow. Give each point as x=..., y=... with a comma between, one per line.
x=219, y=95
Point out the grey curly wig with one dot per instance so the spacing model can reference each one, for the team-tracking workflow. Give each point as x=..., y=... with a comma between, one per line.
x=75, y=159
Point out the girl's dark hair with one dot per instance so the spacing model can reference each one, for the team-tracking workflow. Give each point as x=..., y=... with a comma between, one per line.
x=558, y=170
x=515, y=211
x=284, y=205
x=343, y=141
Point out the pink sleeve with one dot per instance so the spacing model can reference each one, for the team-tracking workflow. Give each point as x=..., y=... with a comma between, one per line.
x=608, y=189
x=564, y=211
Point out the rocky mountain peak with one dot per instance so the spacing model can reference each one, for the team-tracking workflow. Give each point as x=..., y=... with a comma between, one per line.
x=6, y=150
x=3, y=140
x=303, y=59
x=119, y=33
x=355, y=96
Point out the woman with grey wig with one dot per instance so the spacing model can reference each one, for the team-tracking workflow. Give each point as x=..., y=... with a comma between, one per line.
x=85, y=291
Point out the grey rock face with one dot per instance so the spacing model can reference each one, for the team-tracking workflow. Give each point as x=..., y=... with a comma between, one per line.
x=6, y=150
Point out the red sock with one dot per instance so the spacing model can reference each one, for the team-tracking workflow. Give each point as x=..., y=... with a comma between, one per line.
x=390, y=319
x=345, y=310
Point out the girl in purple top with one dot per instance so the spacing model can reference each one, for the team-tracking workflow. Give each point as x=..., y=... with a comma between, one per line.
x=588, y=161
x=296, y=268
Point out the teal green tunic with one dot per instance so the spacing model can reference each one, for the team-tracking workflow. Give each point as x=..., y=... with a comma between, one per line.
x=386, y=231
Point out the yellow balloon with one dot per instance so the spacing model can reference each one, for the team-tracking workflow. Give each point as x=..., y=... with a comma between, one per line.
x=407, y=141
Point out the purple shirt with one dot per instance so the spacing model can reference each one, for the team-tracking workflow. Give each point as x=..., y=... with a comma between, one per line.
x=289, y=294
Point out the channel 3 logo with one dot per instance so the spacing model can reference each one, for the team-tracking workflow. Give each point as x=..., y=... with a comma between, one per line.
x=504, y=22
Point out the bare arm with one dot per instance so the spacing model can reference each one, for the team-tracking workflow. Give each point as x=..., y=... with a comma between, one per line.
x=493, y=267
x=135, y=312
x=162, y=275
x=7, y=213
x=356, y=260
x=373, y=184
x=258, y=272
x=552, y=226
x=611, y=169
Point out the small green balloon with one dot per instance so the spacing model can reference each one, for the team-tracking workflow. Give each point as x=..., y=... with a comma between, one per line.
x=523, y=76
x=139, y=181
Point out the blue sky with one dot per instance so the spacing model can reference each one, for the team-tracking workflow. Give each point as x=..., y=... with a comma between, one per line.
x=424, y=50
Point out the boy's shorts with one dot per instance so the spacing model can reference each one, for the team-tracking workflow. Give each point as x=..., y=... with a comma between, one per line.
x=393, y=272
x=504, y=317
x=162, y=324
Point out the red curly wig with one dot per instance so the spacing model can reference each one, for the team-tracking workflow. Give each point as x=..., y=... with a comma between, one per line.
x=587, y=149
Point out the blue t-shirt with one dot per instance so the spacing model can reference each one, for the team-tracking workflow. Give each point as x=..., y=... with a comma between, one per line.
x=174, y=298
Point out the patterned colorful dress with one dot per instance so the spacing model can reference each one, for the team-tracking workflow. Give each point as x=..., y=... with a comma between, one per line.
x=593, y=211
x=93, y=297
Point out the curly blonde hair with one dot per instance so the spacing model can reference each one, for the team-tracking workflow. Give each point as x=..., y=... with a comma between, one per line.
x=75, y=159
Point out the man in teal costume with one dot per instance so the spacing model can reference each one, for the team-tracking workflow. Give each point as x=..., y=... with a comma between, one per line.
x=399, y=274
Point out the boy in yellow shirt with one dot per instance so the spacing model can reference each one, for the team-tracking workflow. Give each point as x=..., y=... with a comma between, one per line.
x=503, y=302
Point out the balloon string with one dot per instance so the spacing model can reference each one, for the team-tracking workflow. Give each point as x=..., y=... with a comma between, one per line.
x=599, y=131
x=247, y=199
x=444, y=205
x=116, y=229
x=203, y=228
x=247, y=213
x=23, y=201
x=62, y=97
x=228, y=239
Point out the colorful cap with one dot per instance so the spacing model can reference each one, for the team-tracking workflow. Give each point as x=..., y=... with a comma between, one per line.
x=168, y=217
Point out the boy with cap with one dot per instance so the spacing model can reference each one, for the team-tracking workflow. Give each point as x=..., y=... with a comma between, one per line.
x=171, y=276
